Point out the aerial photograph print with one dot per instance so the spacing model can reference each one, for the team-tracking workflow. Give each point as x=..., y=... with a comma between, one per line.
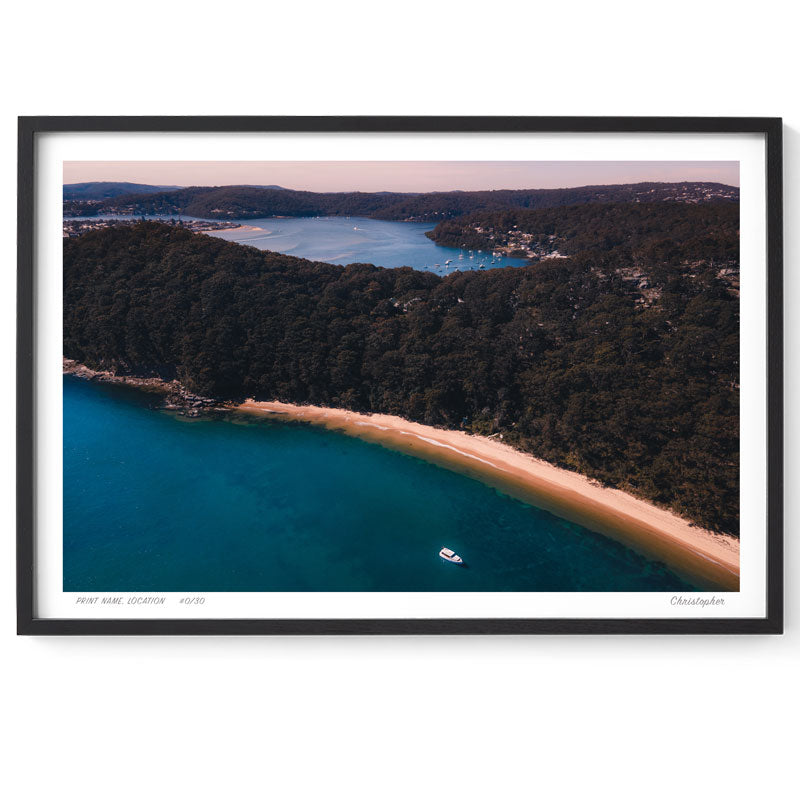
x=401, y=376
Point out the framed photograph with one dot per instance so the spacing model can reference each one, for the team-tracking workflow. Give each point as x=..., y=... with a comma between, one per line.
x=382, y=375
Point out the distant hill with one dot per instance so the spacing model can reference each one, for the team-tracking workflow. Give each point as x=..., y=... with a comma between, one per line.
x=250, y=202
x=104, y=190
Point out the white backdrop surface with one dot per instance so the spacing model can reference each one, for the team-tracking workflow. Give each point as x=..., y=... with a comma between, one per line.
x=307, y=718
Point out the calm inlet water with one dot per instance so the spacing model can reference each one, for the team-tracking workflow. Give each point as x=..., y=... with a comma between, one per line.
x=349, y=240
x=346, y=240
x=158, y=502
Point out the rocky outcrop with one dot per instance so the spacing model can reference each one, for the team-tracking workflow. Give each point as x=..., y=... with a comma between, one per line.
x=176, y=396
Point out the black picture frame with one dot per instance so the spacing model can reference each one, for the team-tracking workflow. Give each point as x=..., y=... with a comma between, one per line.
x=30, y=127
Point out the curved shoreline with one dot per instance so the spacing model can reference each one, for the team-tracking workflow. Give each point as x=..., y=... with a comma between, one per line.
x=708, y=559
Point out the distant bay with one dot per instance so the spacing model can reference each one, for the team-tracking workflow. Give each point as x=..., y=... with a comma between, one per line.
x=348, y=240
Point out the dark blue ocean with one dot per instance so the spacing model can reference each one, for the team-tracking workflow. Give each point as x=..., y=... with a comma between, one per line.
x=158, y=502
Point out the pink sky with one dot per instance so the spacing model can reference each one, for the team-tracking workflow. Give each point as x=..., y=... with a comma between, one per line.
x=400, y=176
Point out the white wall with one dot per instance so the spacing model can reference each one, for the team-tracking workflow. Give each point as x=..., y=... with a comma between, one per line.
x=547, y=717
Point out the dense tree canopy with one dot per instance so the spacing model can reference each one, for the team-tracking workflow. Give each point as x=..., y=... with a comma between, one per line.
x=570, y=359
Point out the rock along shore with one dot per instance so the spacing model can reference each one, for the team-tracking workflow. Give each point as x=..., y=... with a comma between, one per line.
x=176, y=396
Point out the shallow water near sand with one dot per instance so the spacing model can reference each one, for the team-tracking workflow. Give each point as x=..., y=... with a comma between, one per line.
x=158, y=502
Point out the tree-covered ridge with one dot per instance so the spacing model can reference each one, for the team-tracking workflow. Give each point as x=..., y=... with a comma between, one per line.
x=631, y=233
x=105, y=190
x=251, y=202
x=562, y=357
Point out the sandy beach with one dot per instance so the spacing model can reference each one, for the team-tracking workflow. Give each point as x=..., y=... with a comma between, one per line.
x=237, y=229
x=709, y=559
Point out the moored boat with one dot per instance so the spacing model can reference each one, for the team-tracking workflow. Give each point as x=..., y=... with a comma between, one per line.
x=448, y=555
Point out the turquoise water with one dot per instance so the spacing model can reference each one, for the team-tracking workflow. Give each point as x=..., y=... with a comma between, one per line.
x=348, y=240
x=158, y=502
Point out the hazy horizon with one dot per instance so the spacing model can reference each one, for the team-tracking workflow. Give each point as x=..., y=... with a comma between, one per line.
x=400, y=176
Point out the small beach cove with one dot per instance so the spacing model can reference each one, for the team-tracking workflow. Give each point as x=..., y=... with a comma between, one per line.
x=709, y=558
x=559, y=510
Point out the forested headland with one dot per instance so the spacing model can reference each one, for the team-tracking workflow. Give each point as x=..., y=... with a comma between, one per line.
x=627, y=233
x=620, y=362
x=252, y=202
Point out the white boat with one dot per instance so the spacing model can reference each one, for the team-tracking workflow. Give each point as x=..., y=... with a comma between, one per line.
x=448, y=555
x=449, y=261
